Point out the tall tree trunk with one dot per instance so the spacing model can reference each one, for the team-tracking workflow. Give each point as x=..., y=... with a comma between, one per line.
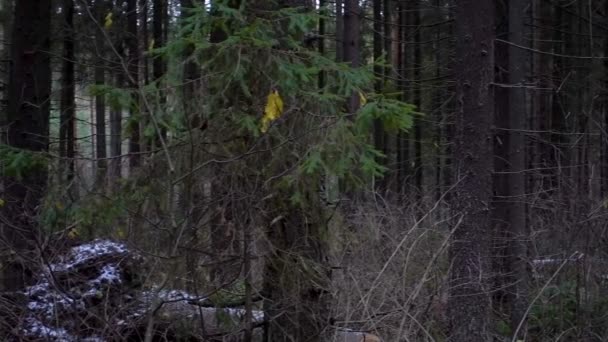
x=350, y=44
x=116, y=132
x=417, y=98
x=402, y=142
x=451, y=109
x=517, y=161
x=133, y=67
x=100, y=103
x=604, y=122
x=379, y=85
x=468, y=302
x=500, y=207
x=28, y=117
x=543, y=65
x=339, y=30
x=68, y=106
x=144, y=40
x=158, y=64
x=6, y=17
x=297, y=279
x=322, y=12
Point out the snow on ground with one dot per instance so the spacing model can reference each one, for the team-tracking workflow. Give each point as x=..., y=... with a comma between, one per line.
x=85, y=272
x=81, y=254
x=46, y=300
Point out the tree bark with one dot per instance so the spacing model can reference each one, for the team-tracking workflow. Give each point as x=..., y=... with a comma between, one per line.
x=133, y=67
x=468, y=302
x=517, y=162
x=28, y=118
x=500, y=204
x=417, y=100
x=379, y=85
x=100, y=103
x=339, y=30
x=116, y=132
x=297, y=279
x=158, y=64
x=68, y=106
x=350, y=43
x=402, y=141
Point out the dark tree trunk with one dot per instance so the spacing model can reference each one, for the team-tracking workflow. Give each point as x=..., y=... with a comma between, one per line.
x=451, y=109
x=297, y=278
x=68, y=106
x=543, y=105
x=559, y=155
x=468, y=302
x=517, y=162
x=417, y=100
x=323, y=12
x=350, y=43
x=402, y=141
x=143, y=40
x=116, y=132
x=100, y=103
x=158, y=64
x=500, y=213
x=133, y=68
x=388, y=35
x=28, y=117
x=604, y=166
x=339, y=30
x=378, y=71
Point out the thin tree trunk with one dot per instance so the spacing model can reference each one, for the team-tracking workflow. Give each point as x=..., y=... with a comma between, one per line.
x=604, y=122
x=116, y=133
x=339, y=30
x=68, y=106
x=143, y=40
x=350, y=43
x=379, y=85
x=402, y=142
x=158, y=63
x=133, y=67
x=468, y=301
x=417, y=100
x=100, y=103
x=323, y=12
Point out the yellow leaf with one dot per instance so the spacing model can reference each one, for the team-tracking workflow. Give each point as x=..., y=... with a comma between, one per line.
x=362, y=99
x=273, y=110
x=1, y=203
x=73, y=233
x=108, y=22
x=120, y=232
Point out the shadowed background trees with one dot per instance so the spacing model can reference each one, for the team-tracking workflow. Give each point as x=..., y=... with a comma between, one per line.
x=437, y=169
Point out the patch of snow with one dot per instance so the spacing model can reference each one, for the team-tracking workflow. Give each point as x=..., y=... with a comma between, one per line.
x=555, y=261
x=256, y=315
x=37, y=289
x=35, y=328
x=47, y=302
x=82, y=253
x=109, y=274
x=168, y=295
